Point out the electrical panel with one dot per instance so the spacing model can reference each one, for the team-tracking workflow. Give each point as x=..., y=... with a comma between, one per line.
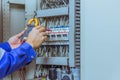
x=55, y=60
x=59, y=56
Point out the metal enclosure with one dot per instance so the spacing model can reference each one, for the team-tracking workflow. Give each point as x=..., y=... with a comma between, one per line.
x=12, y=23
x=16, y=13
x=1, y=29
x=13, y=14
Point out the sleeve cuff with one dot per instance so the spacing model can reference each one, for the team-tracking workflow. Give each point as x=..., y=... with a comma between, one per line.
x=30, y=52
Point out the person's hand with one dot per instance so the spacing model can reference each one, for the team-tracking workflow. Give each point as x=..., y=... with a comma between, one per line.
x=15, y=41
x=37, y=36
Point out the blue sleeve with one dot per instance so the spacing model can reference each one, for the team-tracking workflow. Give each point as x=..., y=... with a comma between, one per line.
x=5, y=46
x=16, y=59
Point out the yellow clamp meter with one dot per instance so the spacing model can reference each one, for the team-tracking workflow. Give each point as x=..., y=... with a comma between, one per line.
x=29, y=27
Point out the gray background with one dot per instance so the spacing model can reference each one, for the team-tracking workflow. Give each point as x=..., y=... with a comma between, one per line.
x=100, y=39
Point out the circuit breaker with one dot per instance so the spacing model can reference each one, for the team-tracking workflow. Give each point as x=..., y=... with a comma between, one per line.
x=59, y=56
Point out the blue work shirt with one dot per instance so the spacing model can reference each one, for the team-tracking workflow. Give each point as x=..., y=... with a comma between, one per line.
x=14, y=59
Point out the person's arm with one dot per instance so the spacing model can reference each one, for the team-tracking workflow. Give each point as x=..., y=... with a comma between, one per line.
x=15, y=59
x=21, y=54
x=5, y=46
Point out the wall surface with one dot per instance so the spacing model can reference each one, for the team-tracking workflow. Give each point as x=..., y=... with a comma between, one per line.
x=100, y=44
